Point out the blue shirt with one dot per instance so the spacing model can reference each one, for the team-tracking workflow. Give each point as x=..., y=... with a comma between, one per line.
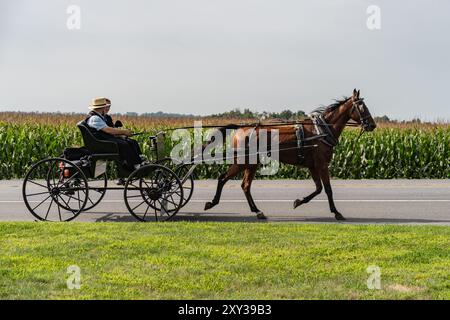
x=97, y=122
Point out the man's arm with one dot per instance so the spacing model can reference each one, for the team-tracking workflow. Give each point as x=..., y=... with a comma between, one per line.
x=117, y=132
x=99, y=123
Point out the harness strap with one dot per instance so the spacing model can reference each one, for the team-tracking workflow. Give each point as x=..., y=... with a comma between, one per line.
x=324, y=130
x=300, y=134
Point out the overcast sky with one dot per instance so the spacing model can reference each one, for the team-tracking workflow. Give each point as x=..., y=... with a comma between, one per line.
x=209, y=56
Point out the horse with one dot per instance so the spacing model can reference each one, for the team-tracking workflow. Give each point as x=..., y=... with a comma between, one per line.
x=315, y=157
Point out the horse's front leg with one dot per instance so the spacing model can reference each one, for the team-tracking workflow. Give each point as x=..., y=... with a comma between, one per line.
x=316, y=177
x=325, y=176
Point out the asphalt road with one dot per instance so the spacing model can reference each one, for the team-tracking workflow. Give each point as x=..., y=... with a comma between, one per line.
x=360, y=201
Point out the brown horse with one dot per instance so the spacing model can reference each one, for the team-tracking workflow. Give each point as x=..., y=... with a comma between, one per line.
x=316, y=159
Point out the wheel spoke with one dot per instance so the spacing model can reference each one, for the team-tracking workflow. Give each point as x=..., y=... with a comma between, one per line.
x=35, y=194
x=177, y=193
x=48, y=210
x=67, y=204
x=41, y=185
x=59, y=212
x=79, y=200
x=89, y=198
x=145, y=182
x=135, y=196
x=71, y=197
x=173, y=201
x=68, y=180
x=41, y=202
x=165, y=199
x=138, y=205
x=163, y=209
x=53, y=176
x=146, y=210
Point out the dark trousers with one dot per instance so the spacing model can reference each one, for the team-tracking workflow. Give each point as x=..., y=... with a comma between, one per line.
x=129, y=151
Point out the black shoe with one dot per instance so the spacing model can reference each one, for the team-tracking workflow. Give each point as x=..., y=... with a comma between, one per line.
x=120, y=182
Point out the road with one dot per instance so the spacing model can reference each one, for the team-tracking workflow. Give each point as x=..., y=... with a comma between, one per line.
x=360, y=201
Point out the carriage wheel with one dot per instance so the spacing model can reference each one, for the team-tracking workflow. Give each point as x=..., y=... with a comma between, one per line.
x=153, y=193
x=97, y=190
x=181, y=170
x=55, y=190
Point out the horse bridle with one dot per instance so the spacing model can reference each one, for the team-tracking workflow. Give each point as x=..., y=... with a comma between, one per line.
x=361, y=109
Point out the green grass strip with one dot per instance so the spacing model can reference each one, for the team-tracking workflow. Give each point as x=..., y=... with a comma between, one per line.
x=189, y=260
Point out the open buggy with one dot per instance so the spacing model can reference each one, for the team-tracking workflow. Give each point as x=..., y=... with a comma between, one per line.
x=59, y=189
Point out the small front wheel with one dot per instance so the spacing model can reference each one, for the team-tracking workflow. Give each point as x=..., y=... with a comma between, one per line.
x=153, y=193
x=186, y=181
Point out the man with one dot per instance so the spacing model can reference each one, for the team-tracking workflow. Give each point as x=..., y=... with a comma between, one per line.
x=118, y=124
x=129, y=150
x=108, y=118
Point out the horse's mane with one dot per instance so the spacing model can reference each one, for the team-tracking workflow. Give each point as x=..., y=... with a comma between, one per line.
x=337, y=103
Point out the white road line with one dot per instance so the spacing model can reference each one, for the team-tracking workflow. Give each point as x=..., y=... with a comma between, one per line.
x=274, y=200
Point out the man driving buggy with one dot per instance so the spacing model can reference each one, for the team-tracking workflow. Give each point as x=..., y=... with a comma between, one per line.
x=97, y=121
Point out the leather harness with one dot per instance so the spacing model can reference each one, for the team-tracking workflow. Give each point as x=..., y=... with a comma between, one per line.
x=322, y=128
x=300, y=134
x=323, y=131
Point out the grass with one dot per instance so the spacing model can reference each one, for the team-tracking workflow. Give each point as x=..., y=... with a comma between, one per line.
x=189, y=260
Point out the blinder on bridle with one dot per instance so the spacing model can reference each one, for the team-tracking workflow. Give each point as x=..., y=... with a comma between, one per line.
x=362, y=112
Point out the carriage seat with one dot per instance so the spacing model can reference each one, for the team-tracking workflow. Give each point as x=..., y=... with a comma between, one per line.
x=100, y=149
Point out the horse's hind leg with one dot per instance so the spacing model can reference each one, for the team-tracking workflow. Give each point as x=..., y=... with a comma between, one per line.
x=233, y=170
x=325, y=176
x=249, y=175
x=316, y=177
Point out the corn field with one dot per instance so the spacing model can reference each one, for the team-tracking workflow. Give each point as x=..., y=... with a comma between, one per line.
x=411, y=152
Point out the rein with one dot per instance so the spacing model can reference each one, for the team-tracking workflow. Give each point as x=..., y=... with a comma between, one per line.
x=285, y=123
x=238, y=126
x=245, y=125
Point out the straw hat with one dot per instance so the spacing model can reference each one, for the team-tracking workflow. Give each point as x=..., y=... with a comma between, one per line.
x=98, y=103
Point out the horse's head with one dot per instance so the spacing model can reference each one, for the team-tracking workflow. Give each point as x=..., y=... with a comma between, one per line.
x=360, y=113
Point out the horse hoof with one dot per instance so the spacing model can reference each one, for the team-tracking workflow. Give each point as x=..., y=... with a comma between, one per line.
x=261, y=216
x=208, y=205
x=339, y=217
x=297, y=203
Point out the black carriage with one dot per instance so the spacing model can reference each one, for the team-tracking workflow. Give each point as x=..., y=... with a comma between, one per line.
x=59, y=189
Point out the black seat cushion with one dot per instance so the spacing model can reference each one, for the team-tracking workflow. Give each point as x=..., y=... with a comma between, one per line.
x=76, y=153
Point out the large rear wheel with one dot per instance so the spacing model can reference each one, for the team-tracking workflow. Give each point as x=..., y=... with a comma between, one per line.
x=55, y=190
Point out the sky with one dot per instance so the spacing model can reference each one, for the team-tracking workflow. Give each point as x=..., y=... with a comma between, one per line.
x=210, y=56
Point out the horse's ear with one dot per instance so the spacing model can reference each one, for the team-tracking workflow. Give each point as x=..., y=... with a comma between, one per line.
x=355, y=93
x=357, y=97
